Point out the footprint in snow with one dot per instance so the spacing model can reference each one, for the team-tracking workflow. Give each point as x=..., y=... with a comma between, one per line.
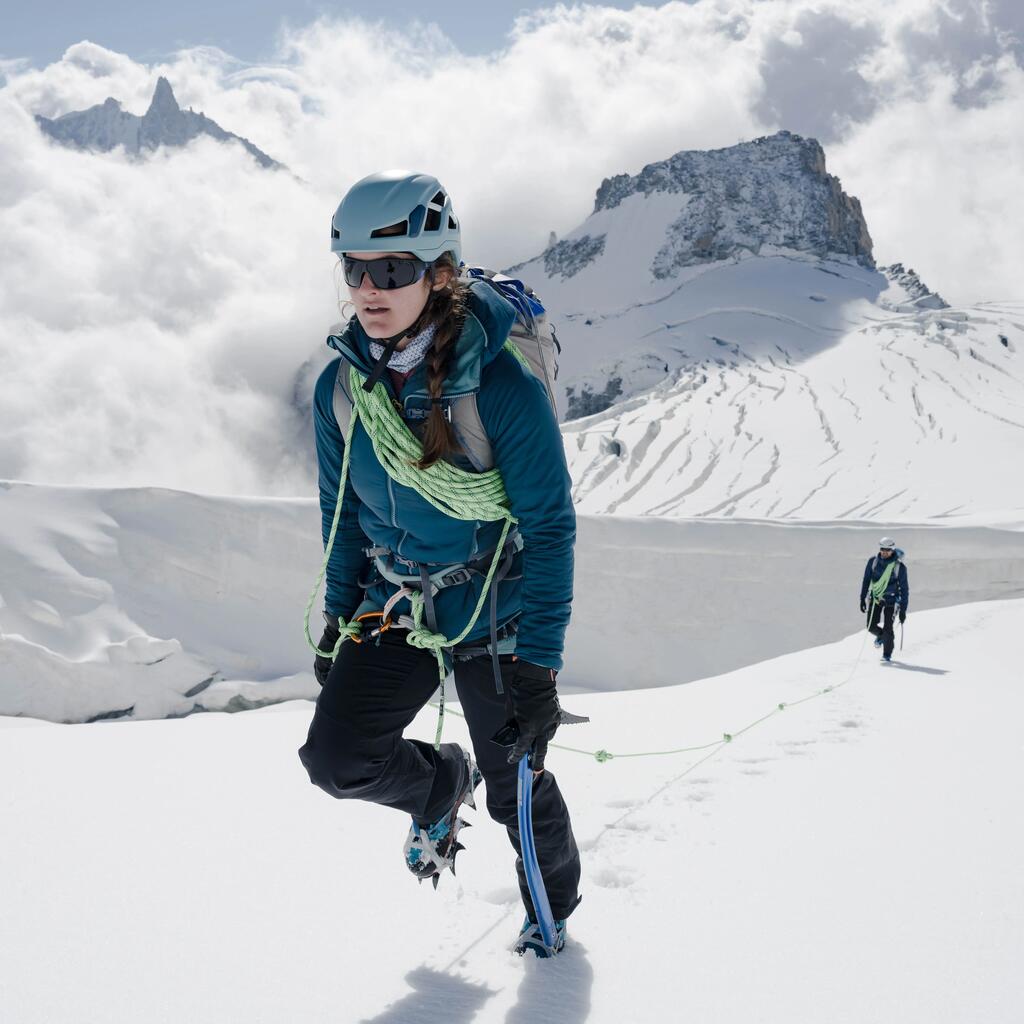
x=501, y=896
x=613, y=878
x=797, y=747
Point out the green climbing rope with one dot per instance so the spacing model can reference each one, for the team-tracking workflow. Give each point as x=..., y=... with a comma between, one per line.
x=881, y=585
x=347, y=631
x=603, y=756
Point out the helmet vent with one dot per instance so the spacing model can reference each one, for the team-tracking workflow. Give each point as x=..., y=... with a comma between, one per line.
x=433, y=222
x=438, y=199
x=452, y=226
x=401, y=228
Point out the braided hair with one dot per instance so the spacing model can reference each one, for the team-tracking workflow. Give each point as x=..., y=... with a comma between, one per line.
x=446, y=310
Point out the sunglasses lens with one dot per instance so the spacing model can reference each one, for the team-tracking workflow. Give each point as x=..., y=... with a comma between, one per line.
x=393, y=273
x=385, y=273
x=354, y=270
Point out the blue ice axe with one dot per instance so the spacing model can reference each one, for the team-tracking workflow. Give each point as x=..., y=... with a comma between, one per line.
x=534, y=881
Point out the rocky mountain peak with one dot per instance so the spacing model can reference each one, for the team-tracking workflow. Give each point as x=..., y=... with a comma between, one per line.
x=772, y=191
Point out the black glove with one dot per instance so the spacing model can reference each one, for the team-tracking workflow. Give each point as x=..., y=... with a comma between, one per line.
x=863, y=606
x=536, y=710
x=322, y=665
x=903, y=614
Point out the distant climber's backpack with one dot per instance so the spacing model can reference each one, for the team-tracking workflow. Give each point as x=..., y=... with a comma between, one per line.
x=532, y=334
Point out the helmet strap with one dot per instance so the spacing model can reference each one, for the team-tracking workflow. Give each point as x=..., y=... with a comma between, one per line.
x=390, y=344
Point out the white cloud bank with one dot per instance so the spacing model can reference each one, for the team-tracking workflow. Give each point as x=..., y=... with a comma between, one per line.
x=158, y=318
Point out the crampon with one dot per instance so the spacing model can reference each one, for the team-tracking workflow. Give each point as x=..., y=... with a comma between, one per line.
x=432, y=848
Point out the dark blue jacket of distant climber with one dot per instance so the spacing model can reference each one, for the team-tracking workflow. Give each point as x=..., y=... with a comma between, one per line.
x=378, y=512
x=898, y=590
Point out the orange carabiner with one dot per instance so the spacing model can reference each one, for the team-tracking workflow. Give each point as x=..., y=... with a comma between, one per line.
x=383, y=627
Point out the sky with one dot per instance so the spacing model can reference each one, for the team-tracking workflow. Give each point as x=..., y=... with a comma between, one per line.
x=162, y=320
x=247, y=29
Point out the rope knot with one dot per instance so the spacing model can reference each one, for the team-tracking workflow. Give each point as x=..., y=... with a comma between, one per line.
x=600, y=756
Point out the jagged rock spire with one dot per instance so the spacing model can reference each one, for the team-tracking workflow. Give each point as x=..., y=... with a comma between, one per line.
x=163, y=101
x=107, y=126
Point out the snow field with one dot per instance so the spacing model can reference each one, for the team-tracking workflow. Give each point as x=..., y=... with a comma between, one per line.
x=151, y=603
x=854, y=858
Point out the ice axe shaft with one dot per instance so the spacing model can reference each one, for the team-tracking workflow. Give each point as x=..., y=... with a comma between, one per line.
x=534, y=881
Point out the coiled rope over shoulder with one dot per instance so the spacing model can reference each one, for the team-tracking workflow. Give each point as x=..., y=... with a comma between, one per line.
x=454, y=492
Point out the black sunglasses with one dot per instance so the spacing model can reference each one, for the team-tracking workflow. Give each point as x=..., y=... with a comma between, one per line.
x=387, y=272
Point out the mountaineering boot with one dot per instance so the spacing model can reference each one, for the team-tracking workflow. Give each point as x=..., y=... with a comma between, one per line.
x=530, y=938
x=886, y=659
x=430, y=848
x=878, y=641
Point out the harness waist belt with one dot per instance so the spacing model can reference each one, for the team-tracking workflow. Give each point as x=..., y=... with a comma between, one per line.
x=447, y=576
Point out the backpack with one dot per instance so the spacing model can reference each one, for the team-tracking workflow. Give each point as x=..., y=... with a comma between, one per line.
x=532, y=334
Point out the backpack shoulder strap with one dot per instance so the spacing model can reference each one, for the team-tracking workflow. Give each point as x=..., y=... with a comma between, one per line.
x=469, y=430
x=343, y=398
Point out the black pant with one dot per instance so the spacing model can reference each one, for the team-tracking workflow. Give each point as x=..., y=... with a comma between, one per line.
x=355, y=750
x=886, y=613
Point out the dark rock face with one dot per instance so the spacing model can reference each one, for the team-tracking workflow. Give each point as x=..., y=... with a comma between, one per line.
x=920, y=294
x=773, y=191
x=107, y=126
x=588, y=402
x=569, y=258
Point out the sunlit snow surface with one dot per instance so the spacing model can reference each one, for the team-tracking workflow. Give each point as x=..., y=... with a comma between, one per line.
x=853, y=859
x=781, y=385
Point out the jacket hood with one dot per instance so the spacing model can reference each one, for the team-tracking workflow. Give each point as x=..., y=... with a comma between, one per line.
x=489, y=318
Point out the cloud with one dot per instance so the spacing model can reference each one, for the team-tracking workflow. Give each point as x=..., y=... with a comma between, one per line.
x=155, y=316
x=940, y=185
x=161, y=320
x=812, y=74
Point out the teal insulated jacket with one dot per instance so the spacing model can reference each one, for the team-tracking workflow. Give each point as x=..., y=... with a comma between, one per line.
x=379, y=512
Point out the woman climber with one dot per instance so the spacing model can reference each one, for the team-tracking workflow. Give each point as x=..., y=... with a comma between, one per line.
x=436, y=561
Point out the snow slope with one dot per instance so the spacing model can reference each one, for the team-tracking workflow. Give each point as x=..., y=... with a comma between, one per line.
x=851, y=859
x=782, y=389
x=151, y=603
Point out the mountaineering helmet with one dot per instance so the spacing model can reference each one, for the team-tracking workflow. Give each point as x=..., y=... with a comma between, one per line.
x=397, y=211
x=887, y=542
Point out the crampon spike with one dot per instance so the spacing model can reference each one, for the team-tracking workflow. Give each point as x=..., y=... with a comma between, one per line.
x=430, y=848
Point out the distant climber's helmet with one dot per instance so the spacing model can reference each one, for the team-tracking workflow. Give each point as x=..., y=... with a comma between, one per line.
x=886, y=544
x=397, y=211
